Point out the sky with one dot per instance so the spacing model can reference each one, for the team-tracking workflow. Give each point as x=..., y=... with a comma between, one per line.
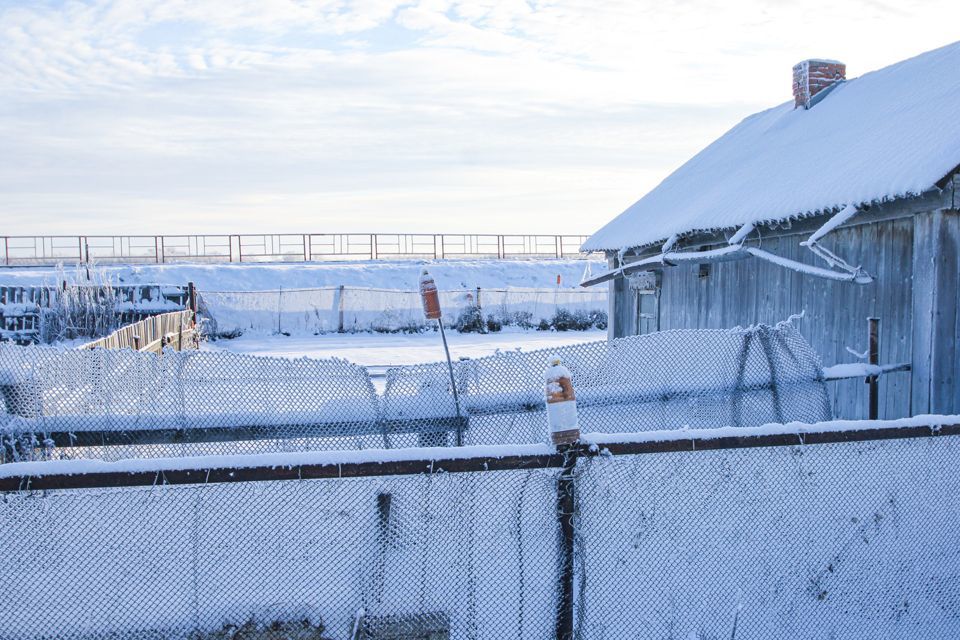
x=422, y=116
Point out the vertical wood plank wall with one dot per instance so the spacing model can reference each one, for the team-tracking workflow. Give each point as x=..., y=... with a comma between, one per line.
x=751, y=291
x=936, y=328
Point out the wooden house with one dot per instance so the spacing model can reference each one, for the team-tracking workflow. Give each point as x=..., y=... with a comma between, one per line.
x=841, y=205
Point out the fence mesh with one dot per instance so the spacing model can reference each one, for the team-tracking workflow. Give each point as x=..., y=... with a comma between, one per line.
x=847, y=540
x=331, y=309
x=84, y=403
x=425, y=557
x=852, y=540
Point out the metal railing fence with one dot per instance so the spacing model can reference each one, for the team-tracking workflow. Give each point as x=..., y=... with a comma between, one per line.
x=812, y=533
x=299, y=247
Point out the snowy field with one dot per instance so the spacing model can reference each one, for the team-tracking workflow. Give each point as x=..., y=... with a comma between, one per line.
x=380, y=350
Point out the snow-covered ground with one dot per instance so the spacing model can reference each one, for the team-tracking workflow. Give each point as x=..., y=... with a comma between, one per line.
x=401, y=274
x=377, y=351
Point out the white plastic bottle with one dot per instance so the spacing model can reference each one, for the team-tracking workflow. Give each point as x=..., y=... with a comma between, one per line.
x=561, y=404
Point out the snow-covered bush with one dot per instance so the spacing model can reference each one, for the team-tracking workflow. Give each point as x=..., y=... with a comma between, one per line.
x=80, y=311
x=470, y=320
x=566, y=320
x=493, y=324
x=522, y=319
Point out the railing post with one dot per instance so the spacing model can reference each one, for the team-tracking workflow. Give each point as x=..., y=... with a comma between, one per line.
x=566, y=504
x=557, y=245
x=501, y=251
x=6, y=249
x=306, y=248
x=340, y=310
x=156, y=249
x=873, y=337
x=373, y=246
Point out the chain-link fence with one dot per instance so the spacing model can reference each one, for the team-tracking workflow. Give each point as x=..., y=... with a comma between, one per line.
x=69, y=404
x=687, y=536
x=329, y=309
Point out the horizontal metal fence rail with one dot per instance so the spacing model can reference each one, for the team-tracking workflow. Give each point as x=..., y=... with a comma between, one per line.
x=296, y=247
x=460, y=460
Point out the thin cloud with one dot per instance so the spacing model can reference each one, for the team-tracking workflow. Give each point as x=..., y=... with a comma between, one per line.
x=126, y=115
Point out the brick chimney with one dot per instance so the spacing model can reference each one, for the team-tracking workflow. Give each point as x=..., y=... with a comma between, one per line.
x=812, y=77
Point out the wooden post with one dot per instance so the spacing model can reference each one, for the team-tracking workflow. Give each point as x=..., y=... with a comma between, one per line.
x=873, y=338
x=478, y=298
x=180, y=334
x=565, y=510
x=340, y=309
x=136, y=342
x=192, y=301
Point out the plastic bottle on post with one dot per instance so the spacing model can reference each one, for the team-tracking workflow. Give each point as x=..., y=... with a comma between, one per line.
x=561, y=404
x=429, y=296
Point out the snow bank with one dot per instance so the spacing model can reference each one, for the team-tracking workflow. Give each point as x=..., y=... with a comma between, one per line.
x=403, y=275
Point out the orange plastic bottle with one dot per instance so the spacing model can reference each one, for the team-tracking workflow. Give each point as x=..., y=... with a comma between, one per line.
x=429, y=296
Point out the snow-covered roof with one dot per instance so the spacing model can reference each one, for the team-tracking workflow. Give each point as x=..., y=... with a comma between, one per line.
x=887, y=134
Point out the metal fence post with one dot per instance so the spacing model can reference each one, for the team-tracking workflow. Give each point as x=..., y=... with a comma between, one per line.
x=340, y=309
x=873, y=337
x=565, y=508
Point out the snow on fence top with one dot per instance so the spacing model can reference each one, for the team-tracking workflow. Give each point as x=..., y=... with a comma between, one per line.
x=110, y=404
x=887, y=134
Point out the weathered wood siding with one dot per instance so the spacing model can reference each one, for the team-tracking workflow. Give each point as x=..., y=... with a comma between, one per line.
x=751, y=291
x=936, y=328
